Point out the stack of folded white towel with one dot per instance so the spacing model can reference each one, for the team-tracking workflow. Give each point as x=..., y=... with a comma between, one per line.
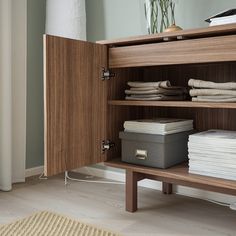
x=213, y=153
x=205, y=91
x=155, y=91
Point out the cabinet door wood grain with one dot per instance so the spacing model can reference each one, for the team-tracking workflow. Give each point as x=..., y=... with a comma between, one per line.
x=189, y=51
x=75, y=101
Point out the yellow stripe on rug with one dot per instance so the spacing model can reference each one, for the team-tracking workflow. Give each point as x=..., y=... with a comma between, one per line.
x=51, y=224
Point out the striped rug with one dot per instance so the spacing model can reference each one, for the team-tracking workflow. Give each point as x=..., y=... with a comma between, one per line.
x=51, y=224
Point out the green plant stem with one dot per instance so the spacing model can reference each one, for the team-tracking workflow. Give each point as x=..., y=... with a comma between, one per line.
x=166, y=8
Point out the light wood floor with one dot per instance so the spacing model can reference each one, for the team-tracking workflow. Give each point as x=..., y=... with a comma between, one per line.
x=103, y=205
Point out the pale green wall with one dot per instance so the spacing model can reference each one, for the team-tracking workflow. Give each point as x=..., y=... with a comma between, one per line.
x=113, y=18
x=35, y=30
x=192, y=13
x=106, y=19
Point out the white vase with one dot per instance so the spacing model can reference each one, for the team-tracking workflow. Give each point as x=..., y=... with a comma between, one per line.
x=66, y=18
x=151, y=13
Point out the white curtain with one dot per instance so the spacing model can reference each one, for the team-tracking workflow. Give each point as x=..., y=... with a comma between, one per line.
x=66, y=18
x=12, y=92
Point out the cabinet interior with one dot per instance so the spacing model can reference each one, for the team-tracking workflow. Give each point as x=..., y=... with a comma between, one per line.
x=204, y=118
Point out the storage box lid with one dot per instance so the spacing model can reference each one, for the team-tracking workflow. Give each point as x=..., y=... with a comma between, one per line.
x=153, y=138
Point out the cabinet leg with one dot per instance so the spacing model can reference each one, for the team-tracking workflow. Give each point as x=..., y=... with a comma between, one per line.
x=167, y=188
x=131, y=191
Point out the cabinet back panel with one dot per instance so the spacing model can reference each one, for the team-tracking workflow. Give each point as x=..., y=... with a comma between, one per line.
x=204, y=119
x=179, y=75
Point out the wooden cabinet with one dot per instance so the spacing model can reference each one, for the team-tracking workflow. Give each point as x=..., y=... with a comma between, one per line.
x=75, y=104
x=85, y=108
x=221, y=48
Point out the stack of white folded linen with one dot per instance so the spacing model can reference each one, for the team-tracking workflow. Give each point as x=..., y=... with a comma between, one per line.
x=155, y=91
x=205, y=91
x=160, y=126
x=213, y=153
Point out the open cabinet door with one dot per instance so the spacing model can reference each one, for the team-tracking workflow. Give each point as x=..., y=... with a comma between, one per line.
x=75, y=103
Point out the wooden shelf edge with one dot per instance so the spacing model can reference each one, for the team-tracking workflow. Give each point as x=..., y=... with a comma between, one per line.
x=189, y=33
x=179, y=175
x=183, y=104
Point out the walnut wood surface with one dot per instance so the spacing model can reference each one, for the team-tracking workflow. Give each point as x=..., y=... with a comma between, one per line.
x=215, y=49
x=167, y=188
x=179, y=175
x=131, y=187
x=77, y=121
x=75, y=104
x=188, y=34
x=173, y=104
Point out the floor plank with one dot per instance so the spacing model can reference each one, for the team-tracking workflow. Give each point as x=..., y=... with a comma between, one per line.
x=103, y=205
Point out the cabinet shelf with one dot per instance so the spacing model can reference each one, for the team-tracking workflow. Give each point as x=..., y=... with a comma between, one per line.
x=179, y=175
x=183, y=104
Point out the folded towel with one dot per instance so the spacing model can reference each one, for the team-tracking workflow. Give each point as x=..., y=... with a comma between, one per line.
x=167, y=85
x=155, y=91
x=156, y=98
x=145, y=96
x=142, y=89
x=211, y=85
x=217, y=97
x=211, y=92
x=144, y=84
x=202, y=99
x=137, y=92
x=172, y=91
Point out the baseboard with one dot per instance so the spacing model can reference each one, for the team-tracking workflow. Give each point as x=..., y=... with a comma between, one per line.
x=112, y=174
x=106, y=174
x=117, y=176
x=185, y=191
x=34, y=171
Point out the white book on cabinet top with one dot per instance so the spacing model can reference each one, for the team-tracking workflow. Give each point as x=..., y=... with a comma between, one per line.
x=223, y=20
x=222, y=15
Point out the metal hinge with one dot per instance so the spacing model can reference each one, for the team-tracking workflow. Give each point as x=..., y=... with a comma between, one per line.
x=107, y=74
x=107, y=145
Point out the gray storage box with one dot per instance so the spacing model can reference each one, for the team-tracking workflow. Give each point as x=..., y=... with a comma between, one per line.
x=161, y=151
